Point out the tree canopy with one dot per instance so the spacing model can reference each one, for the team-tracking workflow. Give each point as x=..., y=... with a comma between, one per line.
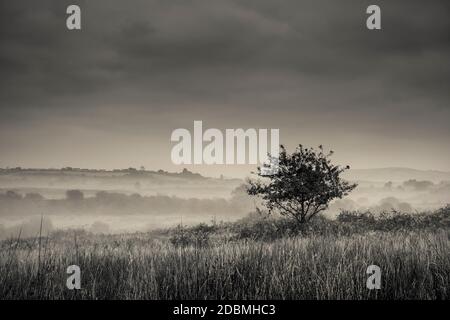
x=303, y=185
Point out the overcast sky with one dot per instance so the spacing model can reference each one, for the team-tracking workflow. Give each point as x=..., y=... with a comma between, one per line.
x=110, y=95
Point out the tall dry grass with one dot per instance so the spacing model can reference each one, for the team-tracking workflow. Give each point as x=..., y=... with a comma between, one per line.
x=415, y=265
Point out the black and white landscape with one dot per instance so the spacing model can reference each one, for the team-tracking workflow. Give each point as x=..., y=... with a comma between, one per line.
x=88, y=112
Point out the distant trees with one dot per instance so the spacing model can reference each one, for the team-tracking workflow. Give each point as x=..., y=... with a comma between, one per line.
x=418, y=185
x=74, y=195
x=12, y=195
x=34, y=196
x=304, y=185
x=388, y=185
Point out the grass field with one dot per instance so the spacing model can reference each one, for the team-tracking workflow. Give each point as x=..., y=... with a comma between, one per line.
x=415, y=264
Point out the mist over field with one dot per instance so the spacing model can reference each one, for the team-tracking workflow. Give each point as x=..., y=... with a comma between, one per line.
x=110, y=95
x=138, y=200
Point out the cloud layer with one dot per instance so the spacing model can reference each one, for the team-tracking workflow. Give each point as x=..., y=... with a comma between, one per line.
x=137, y=70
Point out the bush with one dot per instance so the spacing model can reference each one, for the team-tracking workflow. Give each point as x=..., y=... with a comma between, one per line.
x=394, y=220
x=264, y=227
x=259, y=226
x=198, y=236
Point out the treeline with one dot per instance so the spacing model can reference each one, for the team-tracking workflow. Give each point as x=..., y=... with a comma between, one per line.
x=419, y=185
x=128, y=171
x=15, y=204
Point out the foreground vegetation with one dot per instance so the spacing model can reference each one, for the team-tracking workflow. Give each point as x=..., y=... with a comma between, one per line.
x=234, y=262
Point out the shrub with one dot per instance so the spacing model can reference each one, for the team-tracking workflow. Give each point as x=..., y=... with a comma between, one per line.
x=198, y=235
x=394, y=220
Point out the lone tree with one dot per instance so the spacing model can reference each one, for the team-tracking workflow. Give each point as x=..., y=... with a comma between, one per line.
x=304, y=184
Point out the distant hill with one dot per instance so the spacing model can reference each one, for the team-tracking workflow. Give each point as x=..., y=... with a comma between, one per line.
x=396, y=174
x=185, y=174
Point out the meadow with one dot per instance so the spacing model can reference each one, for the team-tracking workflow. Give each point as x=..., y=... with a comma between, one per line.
x=254, y=258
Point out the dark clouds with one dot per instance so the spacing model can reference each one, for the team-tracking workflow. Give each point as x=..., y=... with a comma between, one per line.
x=308, y=67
